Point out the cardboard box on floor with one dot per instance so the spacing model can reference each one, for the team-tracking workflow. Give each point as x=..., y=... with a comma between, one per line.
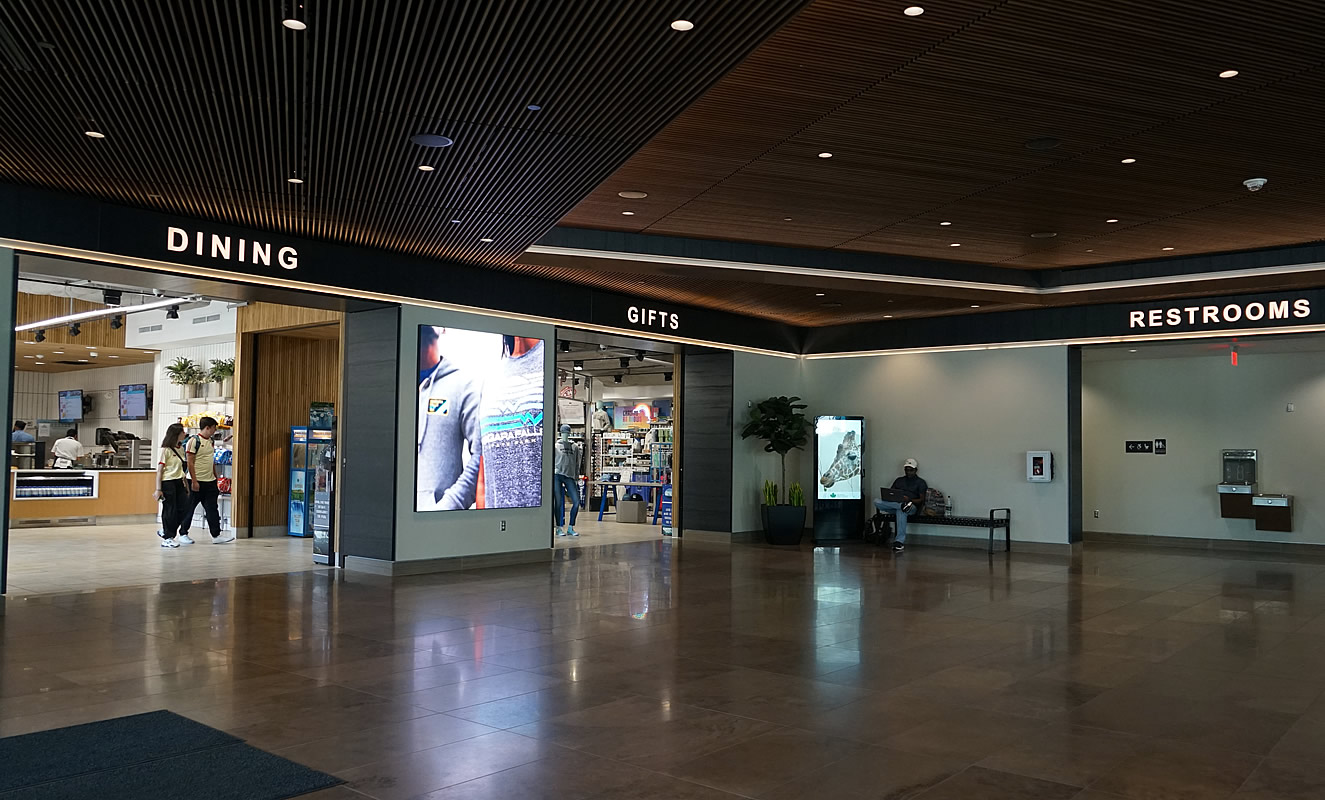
x=630, y=511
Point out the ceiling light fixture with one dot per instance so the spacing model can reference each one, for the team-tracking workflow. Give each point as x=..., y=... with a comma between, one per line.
x=84, y=316
x=1043, y=235
x=29, y=356
x=75, y=328
x=914, y=11
x=94, y=134
x=955, y=244
x=825, y=155
x=533, y=107
x=173, y=312
x=818, y=294
x=627, y=213
x=786, y=219
x=579, y=365
x=681, y=25
x=295, y=179
x=1129, y=161
x=616, y=379
x=945, y=223
x=639, y=355
x=455, y=222
x=486, y=241
x=667, y=377
x=112, y=356
x=565, y=346
x=117, y=322
x=40, y=363
x=426, y=168
x=1166, y=248
x=40, y=337
x=293, y=17
x=632, y=194
x=82, y=360
x=1131, y=351
x=887, y=316
x=1229, y=73
x=1110, y=221
x=431, y=140
x=625, y=362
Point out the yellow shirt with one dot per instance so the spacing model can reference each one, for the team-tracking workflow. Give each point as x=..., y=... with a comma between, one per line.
x=173, y=461
x=204, y=458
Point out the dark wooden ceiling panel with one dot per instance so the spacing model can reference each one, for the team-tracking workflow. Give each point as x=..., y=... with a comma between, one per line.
x=928, y=119
x=209, y=106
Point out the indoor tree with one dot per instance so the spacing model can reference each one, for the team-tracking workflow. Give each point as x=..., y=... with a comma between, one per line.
x=782, y=426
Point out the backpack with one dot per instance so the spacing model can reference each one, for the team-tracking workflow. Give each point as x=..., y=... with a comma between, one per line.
x=936, y=504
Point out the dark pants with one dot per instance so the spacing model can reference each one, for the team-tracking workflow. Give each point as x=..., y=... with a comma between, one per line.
x=206, y=495
x=175, y=508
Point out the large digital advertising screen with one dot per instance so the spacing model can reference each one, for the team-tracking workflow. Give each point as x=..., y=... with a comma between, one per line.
x=480, y=420
x=839, y=442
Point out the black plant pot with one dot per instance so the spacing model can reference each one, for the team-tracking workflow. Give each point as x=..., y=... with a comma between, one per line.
x=783, y=524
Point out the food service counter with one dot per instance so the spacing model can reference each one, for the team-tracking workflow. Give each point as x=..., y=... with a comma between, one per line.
x=80, y=494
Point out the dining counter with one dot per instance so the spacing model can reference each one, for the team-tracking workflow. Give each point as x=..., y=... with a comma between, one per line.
x=81, y=494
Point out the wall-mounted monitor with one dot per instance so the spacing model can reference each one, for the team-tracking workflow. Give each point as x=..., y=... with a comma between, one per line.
x=133, y=401
x=839, y=460
x=71, y=405
x=479, y=421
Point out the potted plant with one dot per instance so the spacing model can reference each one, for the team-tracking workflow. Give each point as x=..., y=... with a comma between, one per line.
x=779, y=422
x=186, y=374
x=222, y=374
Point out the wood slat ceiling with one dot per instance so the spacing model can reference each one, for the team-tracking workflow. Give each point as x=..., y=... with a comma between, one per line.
x=928, y=119
x=209, y=106
x=52, y=357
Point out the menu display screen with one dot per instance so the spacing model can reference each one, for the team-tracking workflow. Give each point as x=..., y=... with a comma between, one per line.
x=479, y=421
x=71, y=405
x=133, y=401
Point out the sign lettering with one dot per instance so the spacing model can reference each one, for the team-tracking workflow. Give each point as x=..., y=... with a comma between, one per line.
x=1227, y=314
x=653, y=318
x=229, y=248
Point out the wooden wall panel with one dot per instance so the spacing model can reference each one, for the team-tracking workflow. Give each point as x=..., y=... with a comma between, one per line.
x=36, y=307
x=258, y=317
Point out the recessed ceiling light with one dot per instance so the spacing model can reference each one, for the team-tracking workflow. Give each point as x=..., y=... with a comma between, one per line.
x=82, y=360
x=59, y=352
x=29, y=343
x=485, y=241
x=914, y=11
x=1110, y=220
x=40, y=363
x=113, y=356
x=294, y=180
x=786, y=219
x=294, y=24
x=825, y=155
x=90, y=347
x=887, y=316
x=150, y=352
x=1166, y=248
x=955, y=244
x=633, y=194
x=1090, y=251
x=945, y=223
x=1229, y=73
x=455, y=222
x=431, y=140
x=1043, y=235
x=974, y=306
x=1129, y=160
x=94, y=134
x=682, y=25
x=1131, y=351
x=29, y=356
x=293, y=18
x=426, y=168
x=533, y=107
x=816, y=294
x=627, y=213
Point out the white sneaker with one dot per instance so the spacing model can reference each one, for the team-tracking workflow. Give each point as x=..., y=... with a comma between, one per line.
x=184, y=539
x=224, y=538
x=169, y=543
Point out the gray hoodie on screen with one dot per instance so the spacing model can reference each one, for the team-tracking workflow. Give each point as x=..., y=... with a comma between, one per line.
x=449, y=424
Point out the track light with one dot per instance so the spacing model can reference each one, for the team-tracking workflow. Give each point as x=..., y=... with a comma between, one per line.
x=565, y=347
x=75, y=328
x=173, y=312
x=639, y=355
x=574, y=381
x=625, y=363
x=117, y=322
x=616, y=379
x=579, y=365
x=667, y=376
x=40, y=337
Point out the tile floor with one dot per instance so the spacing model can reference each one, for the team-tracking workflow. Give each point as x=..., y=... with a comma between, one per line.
x=594, y=533
x=693, y=670
x=79, y=558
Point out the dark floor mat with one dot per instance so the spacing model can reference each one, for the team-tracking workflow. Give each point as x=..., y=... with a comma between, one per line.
x=233, y=772
x=54, y=755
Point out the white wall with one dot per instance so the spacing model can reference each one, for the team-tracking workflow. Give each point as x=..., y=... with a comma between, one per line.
x=968, y=418
x=34, y=397
x=756, y=378
x=1201, y=405
x=164, y=409
x=103, y=386
x=194, y=325
x=442, y=534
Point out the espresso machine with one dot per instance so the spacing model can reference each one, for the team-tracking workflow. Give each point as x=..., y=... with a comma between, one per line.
x=1238, y=484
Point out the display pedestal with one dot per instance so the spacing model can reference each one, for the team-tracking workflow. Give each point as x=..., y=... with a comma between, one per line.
x=838, y=520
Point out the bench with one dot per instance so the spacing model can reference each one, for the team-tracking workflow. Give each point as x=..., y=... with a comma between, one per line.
x=993, y=522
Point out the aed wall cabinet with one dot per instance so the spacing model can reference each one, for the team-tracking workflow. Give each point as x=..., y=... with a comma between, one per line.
x=1039, y=466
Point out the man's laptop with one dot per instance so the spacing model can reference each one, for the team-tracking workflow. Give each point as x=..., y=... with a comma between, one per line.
x=889, y=495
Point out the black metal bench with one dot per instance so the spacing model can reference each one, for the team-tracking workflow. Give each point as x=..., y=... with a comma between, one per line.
x=992, y=523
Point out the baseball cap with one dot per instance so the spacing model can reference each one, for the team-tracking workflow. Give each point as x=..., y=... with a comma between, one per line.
x=910, y=463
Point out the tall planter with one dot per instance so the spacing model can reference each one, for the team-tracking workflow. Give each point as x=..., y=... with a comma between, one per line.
x=783, y=524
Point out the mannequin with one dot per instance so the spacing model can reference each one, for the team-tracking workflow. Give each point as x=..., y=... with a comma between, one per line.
x=602, y=421
x=567, y=457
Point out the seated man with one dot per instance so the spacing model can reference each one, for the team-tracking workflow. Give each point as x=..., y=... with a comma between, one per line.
x=911, y=489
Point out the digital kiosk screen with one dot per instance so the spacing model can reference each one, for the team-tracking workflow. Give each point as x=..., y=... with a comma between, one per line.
x=838, y=457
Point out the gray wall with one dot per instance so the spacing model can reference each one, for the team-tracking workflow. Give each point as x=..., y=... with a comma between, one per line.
x=1201, y=405
x=369, y=435
x=758, y=378
x=968, y=418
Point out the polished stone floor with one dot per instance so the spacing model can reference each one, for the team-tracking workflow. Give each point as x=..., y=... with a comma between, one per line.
x=699, y=671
